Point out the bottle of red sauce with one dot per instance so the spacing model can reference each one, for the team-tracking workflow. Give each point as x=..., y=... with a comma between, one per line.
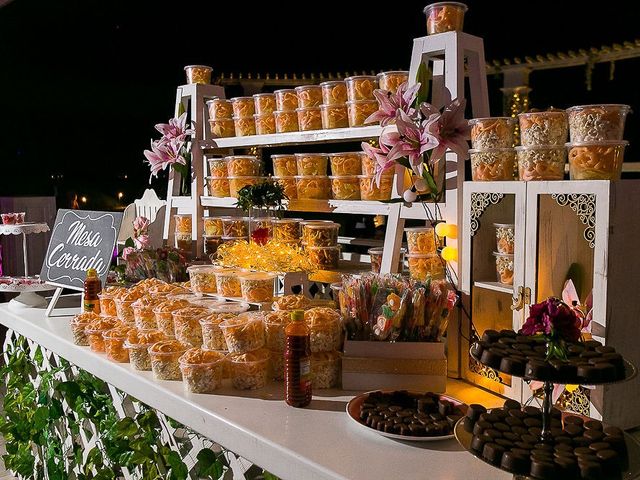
x=92, y=287
x=297, y=358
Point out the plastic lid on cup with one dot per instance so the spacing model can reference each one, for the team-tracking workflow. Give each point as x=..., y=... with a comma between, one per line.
x=484, y=119
x=483, y=150
x=445, y=4
x=596, y=143
x=199, y=66
x=507, y=225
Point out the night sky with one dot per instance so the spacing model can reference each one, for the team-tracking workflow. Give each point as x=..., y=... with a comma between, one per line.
x=83, y=82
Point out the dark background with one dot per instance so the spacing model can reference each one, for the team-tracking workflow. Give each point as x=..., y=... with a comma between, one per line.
x=83, y=82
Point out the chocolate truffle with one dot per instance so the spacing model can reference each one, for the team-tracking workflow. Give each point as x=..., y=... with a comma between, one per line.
x=493, y=433
x=581, y=442
x=492, y=452
x=542, y=469
x=593, y=435
x=597, y=446
x=593, y=425
x=573, y=420
x=615, y=431
x=605, y=349
x=503, y=442
x=609, y=458
x=513, y=421
x=515, y=462
x=453, y=419
x=588, y=373
x=513, y=366
x=503, y=427
x=567, y=467
x=591, y=344
x=608, y=373
x=468, y=424
x=532, y=411
x=533, y=422
x=590, y=470
x=478, y=442
x=508, y=333
x=490, y=336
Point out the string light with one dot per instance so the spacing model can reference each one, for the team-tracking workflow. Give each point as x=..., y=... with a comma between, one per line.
x=515, y=100
x=448, y=230
x=270, y=257
x=449, y=254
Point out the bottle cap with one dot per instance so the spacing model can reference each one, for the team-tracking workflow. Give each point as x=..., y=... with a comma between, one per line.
x=92, y=272
x=297, y=315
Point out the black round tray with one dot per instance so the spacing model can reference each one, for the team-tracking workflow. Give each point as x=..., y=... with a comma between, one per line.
x=630, y=473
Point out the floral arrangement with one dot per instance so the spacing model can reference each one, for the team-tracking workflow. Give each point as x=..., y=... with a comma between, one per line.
x=172, y=149
x=265, y=196
x=270, y=257
x=423, y=134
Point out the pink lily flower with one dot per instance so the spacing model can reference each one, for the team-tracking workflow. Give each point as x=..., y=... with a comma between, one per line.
x=142, y=241
x=163, y=155
x=126, y=251
x=176, y=129
x=411, y=141
x=383, y=163
x=141, y=224
x=389, y=104
x=450, y=129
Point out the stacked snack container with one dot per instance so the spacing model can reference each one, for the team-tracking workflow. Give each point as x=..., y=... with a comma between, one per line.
x=505, y=234
x=542, y=155
x=326, y=339
x=334, y=105
x=320, y=240
x=345, y=169
x=312, y=182
x=265, y=105
x=243, y=112
x=285, y=170
x=308, y=111
x=361, y=102
x=242, y=170
x=285, y=115
x=493, y=157
x=422, y=257
x=221, y=118
x=218, y=180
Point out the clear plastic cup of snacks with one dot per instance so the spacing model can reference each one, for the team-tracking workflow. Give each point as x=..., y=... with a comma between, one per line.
x=596, y=160
x=375, y=253
x=334, y=92
x=218, y=167
x=334, y=116
x=345, y=187
x=324, y=258
x=201, y=370
x=107, y=303
x=320, y=234
x=222, y=127
x=244, y=333
x=445, y=17
x=165, y=356
x=143, y=314
x=596, y=123
x=361, y=87
x=543, y=128
x=265, y=123
x=309, y=96
x=284, y=165
x=421, y=240
x=235, y=226
x=314, y=187
x=250, y=371
x=369, y=167
x=505, y=234
x=243, y=107
x=212, y=336
x=492, y=132
x=220, y=109
x=425, y=265
x=138, y=343
x=244, y=126
x=370, y=191
x=213, y=226
x=262, y=223
x=202, y=279
x=265, y=103
x=211, y=244
x=286, y=100
x=274, y=326
x=277, y=365
x=289, y=185
x=114, y=344
x=183, y=223
x=186, y=323
x=286, y=229
x=237, y=183
x=311, y=163
x=309, y=118
x=325, y=329
x=124, y=305
x=291, y=302
x=198, y=74
x=228, y=283
x=360, y=110
x=541, y=163
x=326, y=368
x=346, y=163
x=96, y=328
x=164, y=315
x=243, y=165
x=183, y=241
x=390, y=81
x=286, y=121
x=257, y=286
x=504, y=268
x=79, y=325
x=493, y=164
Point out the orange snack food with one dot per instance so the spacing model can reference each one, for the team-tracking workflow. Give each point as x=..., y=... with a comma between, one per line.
x=320, y=233
x=334, y=116
x=143, y=314
x=493, y=132
x=164, y=315
x=390, y=81
x=313, y=187
x=212, y=336
x=504, y=237
x=250, y=371
x=423, y=266
x=543, y=128
x=243, y=107
x=289, y=185
x=286, y=229
x=596, y=160
x=78, y=327
x=235, y=226
x=242, y=165
x=541, y=163
x=311, y=163
x=165, y=357
x=244, y=126
x=286, y=121
x=370, y=191
x=284, y=165
x=213, y=226
x=114, y=344
x=257, y=286
x=124, y=302
x=228, y=283
x=186, y=323
x=334, y=93
x=359, y=112
x=222, y=128
x=595, y=123
x=218, y=187
x=493, y=164
x=96, y=328
x=421, y=240
x=345, y=187
x=346, y=163
x=326, y=329
x=138, y=343
x=202, y=370
x=309, y=96
x=198, y=74
x=265, y=123
x=309, y=118
x=244, y=333
x=183, y=223
x=107, y=303
x=445, y=17
x=237, y=183
x=218, y=168
x=286, y=100
x=324, y=257
x=220, y=109
x=265, y=103
x=361, y=87
x=369, y=167
x=504, y=268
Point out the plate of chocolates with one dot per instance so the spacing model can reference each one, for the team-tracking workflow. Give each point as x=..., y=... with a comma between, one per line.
x=404, y=415
x=587, y=363
x=579, y=448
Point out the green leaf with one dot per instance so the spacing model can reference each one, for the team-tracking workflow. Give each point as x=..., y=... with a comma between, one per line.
x=40, y=417
x=423, y=77
x=55, y=409
x=269, y=476
x=181, y=109
x=129, y=242
x=430, y=181
x=178, y=468
x=105, y=474
x=208, y=464
x=70, y=390
x=126, y=427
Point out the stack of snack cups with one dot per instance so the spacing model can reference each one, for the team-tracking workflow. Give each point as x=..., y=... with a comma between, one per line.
x=78, y=327
x=334, y=105
x=493, y=157
x=309, y=100
x=243, y=120
x=285, y=170
x=242, y=170
x=235, y=229
x=326, y=339
x=124, y=305
x=596, y=148
x=424, y=261
x=265, y=105
x=345, y=169
x=312, y=182
x=138, y=343
x=369, y=190
x=95, y=329
x=390, y=81
x=143, y=314
x=218, y=180
x=186, y=324
x=505, y=236
x=183, y=232
x=320, y=240
x=244, y=336
x=275, y=339
x=361, y=102
x=221, y=118
x=212, y=234
x=543, y=153
x=285, y=115
x=287, y=230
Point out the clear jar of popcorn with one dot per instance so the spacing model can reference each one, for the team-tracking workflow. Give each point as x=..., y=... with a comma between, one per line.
x=309, y=118
x=244, y=126
x=361, y=87
x=284, y=165
x=543, y=128
x=421, y=240
x=165, y=357
x=345, y=163
x=277, y=365
x=313, y=187
x=235, y=226
x=212, y=336
x=286, y=229
x=251, y=370
x=114, y=344
x=201, y=370
x=445, y=17
x=220, y=109
x=265, y=103
x=541, y=163
x=138, y=343
x=124, y=306
x=425, y=265
x=222, y=128
x=596, y=123
x=334, y=92
x=228, y=283
x=326, y=329
x=213, y=226
x=164, y=315
x=218, y=187
x=143, y=315
x=309, y=164
x=107, y=303
x=265, y=123
x=359, y=112
x=325, y=258
x=494, y=164
x=390, y=81
x=243, y=107
x=326, y=369
x=198, y=74
x=320, y=233
x=244, y=333
x=492, y=132
x=95, y=329
x=78, y=327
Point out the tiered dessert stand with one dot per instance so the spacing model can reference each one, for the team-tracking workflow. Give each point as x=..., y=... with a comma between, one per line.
x=25, y=285
x=630, y=471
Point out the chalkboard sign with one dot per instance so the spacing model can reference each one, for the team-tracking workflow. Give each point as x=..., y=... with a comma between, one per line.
x=80, y=240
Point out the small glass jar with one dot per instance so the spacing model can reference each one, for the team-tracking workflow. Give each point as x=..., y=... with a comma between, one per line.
x=250, y=371
x=334, y=92
x=183, y=223
x=213, y=226
x=228, y=283
x=370, y=191
x=596, y=160
x=220, y=109
x=346, y=163
x=326, y=329
x=289, y=185
x=504, y=268
x=286, y=100
x=423, y=266
x=361, y=110
x=218, y=187
x=286, y=229
x=543, y=128
x=165, y=357
x=138, y=343
x=311, y=163
x=202, y=370
x=235, y=226
x=596, y=123
x=309, y=96
x=257, y=287
x=284, y=165
x=494, y=164
x=320, y=234
x=244, y=333
x=243, y=107
x=313, y=187
x=390, y=81
x=505, y=235
x=222, y=128
x=237, y=183
x=325, y=258
x=198, y=74
x=361, y=87
x=286, y=121
x=114, y=344
x=334, y=116
x=265, y=124
x=345, y=187
x=492, y=132
x=186, y=323
x=541, y=163
x=445, y=17
x=202, y=279
x=244, y=126
x=265, y=103
x=309, y=118
x=325, y=370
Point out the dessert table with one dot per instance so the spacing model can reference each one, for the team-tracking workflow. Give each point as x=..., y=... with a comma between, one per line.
x=317, y=442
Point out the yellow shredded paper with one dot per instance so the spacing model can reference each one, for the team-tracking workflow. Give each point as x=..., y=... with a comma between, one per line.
x=271, y=257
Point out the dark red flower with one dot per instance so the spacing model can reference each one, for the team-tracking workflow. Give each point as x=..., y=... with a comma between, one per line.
x=552, y=318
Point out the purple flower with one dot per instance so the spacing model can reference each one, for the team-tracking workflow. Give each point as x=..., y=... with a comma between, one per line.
x=411, y=140
x=450, y=129
x=553, y=318
x=390, y=104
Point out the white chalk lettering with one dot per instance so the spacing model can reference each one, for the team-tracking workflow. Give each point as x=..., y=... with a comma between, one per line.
x=80, y=237
x=59, y=258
